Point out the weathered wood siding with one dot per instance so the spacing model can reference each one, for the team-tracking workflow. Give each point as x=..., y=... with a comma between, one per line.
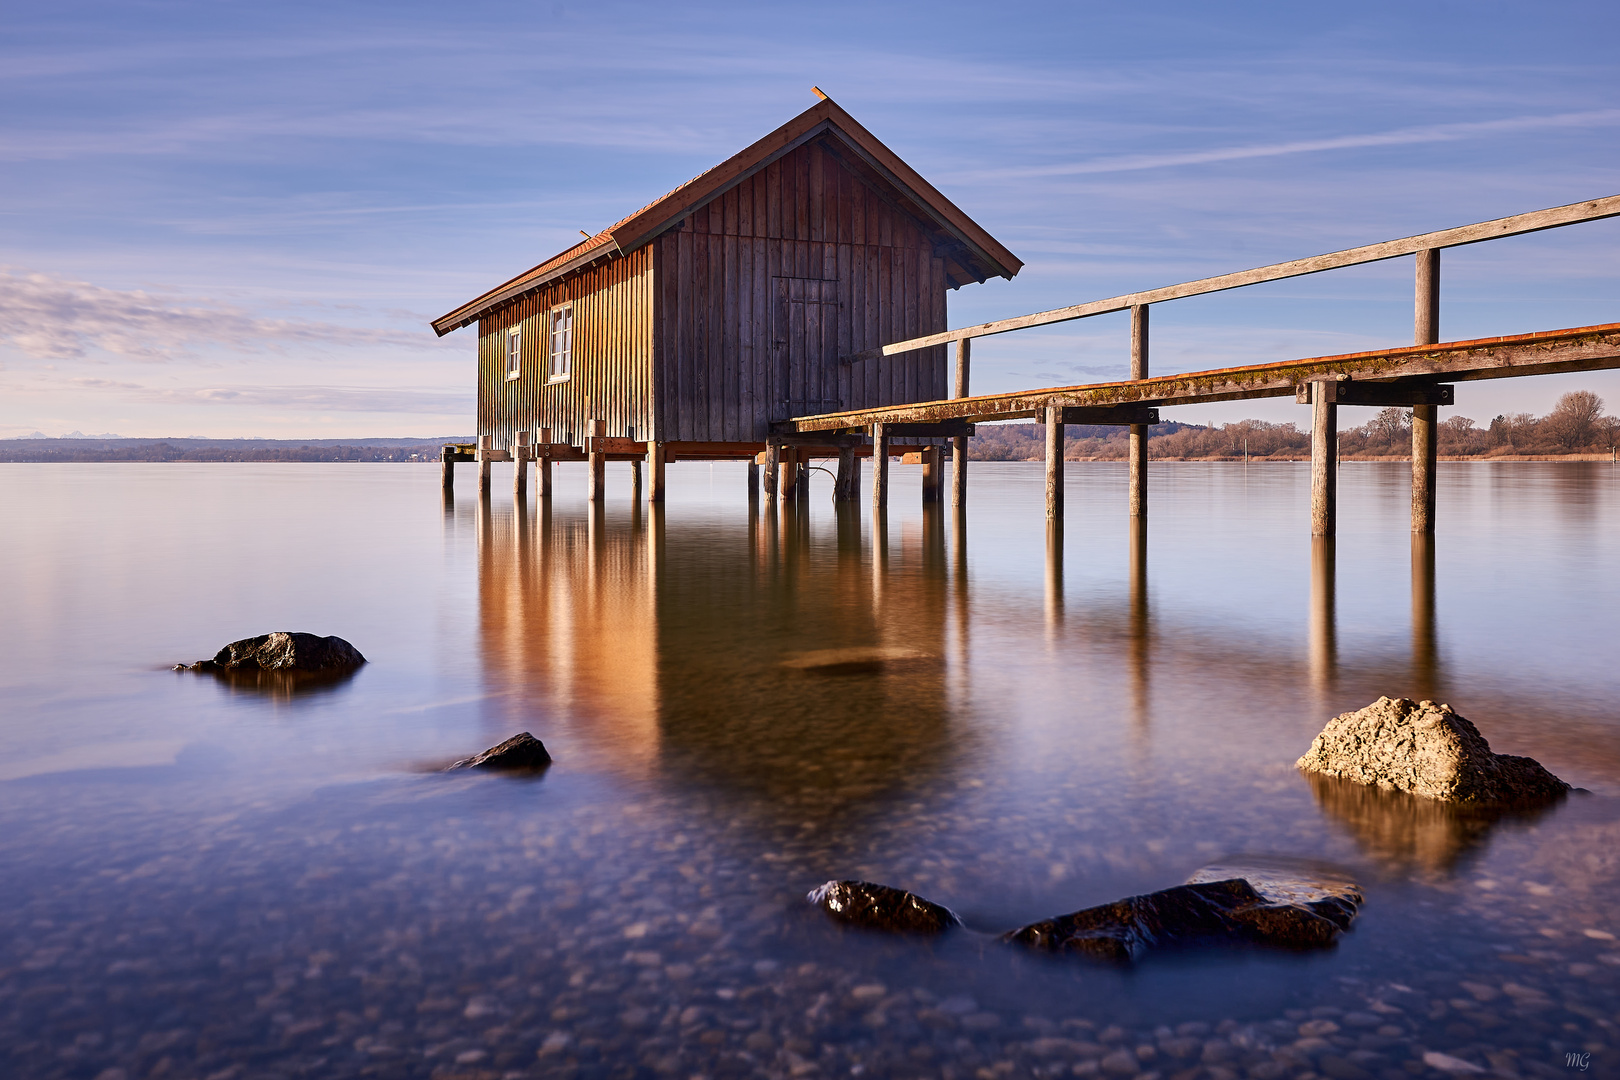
x=761, y=291
x=612, y=376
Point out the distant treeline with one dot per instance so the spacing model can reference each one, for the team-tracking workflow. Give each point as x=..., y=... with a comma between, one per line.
x=223, y=449
x=1577, y=425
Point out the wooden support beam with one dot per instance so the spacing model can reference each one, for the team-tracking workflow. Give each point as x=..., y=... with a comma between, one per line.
x=635, y=481
x=1112, y=416
x=1425, y=417
x=605, y=444
x=597, y=493
x=1054, y=463
x=773, y=462
x=933, y=468
x=486, y=447
x=655, y=473
x=753, y=480
x=789, y=483
x=1380, y=394
x=847, y=485
x=542, y=467
x=880, y=468
x=520, y=468
x=1324, y=462
x=1139, y=432
x=447, y=469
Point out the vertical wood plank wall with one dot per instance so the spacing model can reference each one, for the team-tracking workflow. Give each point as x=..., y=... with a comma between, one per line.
x=612, y=357
x=805, y=242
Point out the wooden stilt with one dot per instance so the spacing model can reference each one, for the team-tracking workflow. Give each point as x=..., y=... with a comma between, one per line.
x=846, y=488
x=1139, y=432
x=1425, y=649
x=1324, y=625
x=1425, y=418
x=932, y=467
x=1324, y=462
x=542, y=468
x=635, y=482
x=773, y=462
x=959, y=454
x=753, y=481
x=520, y=467
x=598, y=462
x=657, y=458
x=1054, y=463
x=447, y=470
x=789, y=471
x=880, y=469
x=486, y=444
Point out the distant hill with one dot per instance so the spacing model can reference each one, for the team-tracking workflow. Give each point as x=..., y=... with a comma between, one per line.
x=114, y=448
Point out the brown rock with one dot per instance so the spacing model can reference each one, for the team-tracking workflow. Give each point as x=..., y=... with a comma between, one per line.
x=1429, y=750
x=282, y=651
x=879, y=907
x=520, y=753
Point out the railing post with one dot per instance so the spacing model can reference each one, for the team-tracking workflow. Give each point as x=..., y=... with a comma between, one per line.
x=1324, y=460
x=1054, y=463
x=959, y=457
x=1139, y=432
x=542, y=468
x=1425, y=430
x=880, y=469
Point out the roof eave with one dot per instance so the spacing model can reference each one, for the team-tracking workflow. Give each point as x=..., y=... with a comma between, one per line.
x=469, y=313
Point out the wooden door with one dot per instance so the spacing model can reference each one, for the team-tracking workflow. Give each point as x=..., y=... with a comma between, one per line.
x=804, y=347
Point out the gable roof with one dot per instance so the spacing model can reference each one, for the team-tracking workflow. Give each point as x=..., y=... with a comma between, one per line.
x=974, y=254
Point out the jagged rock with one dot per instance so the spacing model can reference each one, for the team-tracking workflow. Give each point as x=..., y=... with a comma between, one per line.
x=283, y=651
x=520, y=753
x=1203, y=912
x=1429, y=750
x=879, y=907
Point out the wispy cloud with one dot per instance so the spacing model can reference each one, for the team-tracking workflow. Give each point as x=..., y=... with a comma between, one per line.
x=1432, y=133
x=436, y=401
x=51, y=318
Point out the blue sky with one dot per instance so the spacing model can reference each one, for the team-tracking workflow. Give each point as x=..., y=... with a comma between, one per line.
x=231, y=219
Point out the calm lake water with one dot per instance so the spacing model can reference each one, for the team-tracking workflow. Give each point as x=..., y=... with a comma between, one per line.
x=204, y=880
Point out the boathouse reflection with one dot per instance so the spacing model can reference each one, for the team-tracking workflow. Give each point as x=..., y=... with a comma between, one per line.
x=762, y=654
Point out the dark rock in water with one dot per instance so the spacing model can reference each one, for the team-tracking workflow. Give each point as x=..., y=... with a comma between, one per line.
x=1429, y=750
x=1208, y=912
x=288, y=652
x=879, y=907
x=520, y=753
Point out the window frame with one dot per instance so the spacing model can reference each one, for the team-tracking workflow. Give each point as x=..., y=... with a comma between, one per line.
x=514, y=352
x=556, y=373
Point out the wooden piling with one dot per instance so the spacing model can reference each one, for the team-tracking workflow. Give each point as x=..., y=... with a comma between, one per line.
x=1324, y=461
x=773, y=462
x=520, y=467
x=1425, y=418
x=880, y=469
x=753, y=481
x=657, y=458
x=542, y=468
x=1323, y=630
x=598, y=461
x=635, y=482
x=1054, y=462
x=447, y=470
x=789, y=470
x=932, y=467
x=1139, y=432
x=486, y=446
x=959, y=453
x=847, y=486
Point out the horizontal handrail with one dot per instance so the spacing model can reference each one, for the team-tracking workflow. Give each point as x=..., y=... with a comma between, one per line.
x=1517, y=225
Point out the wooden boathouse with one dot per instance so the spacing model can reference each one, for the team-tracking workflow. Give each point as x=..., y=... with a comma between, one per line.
x=691, y=327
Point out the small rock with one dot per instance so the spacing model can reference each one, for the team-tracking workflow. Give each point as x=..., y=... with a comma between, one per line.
x=1434, y=1059
x=879, y=907
x=1316, y=1029
x=1121, y=1063
x=1429, y=750
x=520, y=753
x=283, y=651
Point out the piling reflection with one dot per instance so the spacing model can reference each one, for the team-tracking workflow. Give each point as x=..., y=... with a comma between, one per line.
x=751, y=654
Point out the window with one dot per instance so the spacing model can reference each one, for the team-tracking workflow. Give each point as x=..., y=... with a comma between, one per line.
x=514, y=353
x=560, y=326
